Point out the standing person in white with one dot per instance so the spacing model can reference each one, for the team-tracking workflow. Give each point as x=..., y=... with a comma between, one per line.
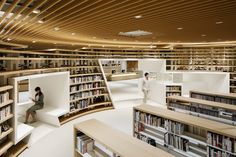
x=145, y=87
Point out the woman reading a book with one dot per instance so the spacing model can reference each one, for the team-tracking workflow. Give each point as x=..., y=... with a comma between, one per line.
x=38, y=100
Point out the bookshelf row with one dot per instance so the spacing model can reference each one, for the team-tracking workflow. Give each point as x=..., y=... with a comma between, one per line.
x=217, y=97
x=183, y=134
x=221, y=112
x=90, y=143
x=220, y=58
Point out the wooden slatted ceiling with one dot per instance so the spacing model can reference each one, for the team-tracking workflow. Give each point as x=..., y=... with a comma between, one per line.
x=100, y=21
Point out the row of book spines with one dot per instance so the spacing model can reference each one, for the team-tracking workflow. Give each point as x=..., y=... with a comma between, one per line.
x=222, y=142
x=85, y=78
x=85, y=86
x=212, y=152
x=176, y=142
x=174, y=127
x=170, y=126
x=85, y=103
x=4, y=97
x=86, y=94
x=84, y=144
x=173, y=94
x=175, y=88
x=5, y=112
x=198, y=109
x=158, y=121
x=148, y=119
x=214, y=98
x=87, y=62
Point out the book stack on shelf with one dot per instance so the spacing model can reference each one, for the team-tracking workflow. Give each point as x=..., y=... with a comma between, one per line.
x=84, y=143
x=6, y=115
x=184, y=134
x=220, y=112
x=228, y=98
x=233, y=82
x=218, y=142
x=173, y=90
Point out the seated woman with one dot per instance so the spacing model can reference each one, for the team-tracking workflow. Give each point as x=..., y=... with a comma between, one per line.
x=38, y=100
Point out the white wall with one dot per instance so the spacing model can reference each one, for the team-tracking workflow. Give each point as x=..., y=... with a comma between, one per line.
x=152, y=65
x=205, y=81
x=55, y=89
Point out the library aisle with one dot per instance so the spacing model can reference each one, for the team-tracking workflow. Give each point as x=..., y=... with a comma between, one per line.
x=59, y=142
x=124, y=90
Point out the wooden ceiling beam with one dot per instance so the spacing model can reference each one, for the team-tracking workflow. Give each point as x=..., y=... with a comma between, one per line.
x=26, y=15
x=18, y=12
x=34, y=27
x=2, y=4
x=9, y=11
x=162, y=10
x=25, y=25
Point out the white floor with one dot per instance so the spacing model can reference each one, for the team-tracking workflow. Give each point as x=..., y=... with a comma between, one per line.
x=48, y=141
x=124, y=90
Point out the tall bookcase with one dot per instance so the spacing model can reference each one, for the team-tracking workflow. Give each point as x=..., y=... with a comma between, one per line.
x=183, y=134
x=88, y=90
x=6, y=122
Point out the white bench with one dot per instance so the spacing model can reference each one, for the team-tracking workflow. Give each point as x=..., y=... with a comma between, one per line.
x=50, y=114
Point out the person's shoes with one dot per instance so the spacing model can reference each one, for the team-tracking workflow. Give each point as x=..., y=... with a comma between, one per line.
x=33, y=121
x=26, y=122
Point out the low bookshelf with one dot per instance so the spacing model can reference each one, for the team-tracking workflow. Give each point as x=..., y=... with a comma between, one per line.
x=220, y=112
x=183, y=134
x=93, y=138
x=228, y=98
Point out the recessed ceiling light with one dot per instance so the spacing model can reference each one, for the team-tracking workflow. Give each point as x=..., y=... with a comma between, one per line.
x=219, y=22
x=56, y=28
x=72, y=33
x=40, y=21
x=8, y=39
x=180, y=28
x=55, y=43
x=36, y=11
x=138, y=17
x=103, y=46
x=203, y=35
x=136, y=33
x=83, y=48
x=153, y=46
x=33, y=41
